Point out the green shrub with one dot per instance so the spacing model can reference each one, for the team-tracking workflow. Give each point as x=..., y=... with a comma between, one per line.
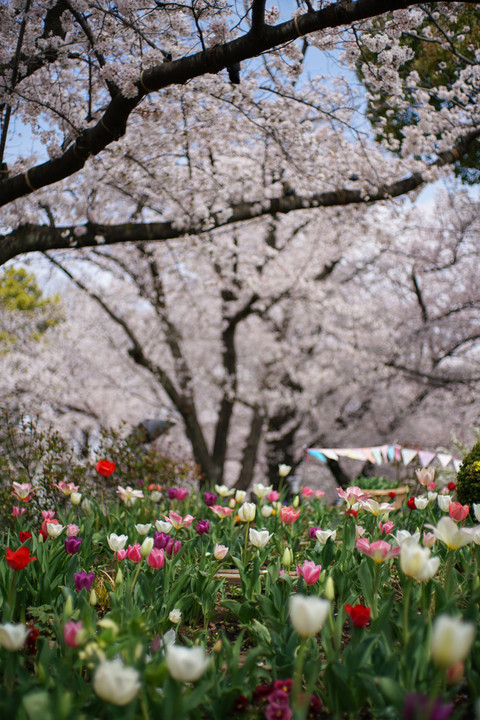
x=468, y=477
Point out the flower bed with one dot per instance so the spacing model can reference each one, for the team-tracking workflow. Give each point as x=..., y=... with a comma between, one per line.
x=128, y=610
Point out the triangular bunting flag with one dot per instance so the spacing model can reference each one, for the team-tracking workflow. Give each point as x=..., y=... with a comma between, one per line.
x=444, y=459
x=355, y=454
x=329, y=454
x=317, y=454
x=456, y=465
x=408, y=455
x=377, y=454
x=391, y=453
x=425, y=457
x=367, y=451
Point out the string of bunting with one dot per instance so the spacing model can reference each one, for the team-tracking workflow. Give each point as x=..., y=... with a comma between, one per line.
x=385, y=454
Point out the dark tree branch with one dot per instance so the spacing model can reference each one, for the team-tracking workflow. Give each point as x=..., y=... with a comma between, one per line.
x=113, y=123
x=38, y=238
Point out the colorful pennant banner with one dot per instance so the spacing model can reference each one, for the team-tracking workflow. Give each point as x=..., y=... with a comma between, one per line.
x=384, y=454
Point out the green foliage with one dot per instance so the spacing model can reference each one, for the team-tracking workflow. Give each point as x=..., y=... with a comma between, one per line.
x=21, y=297
x=438, y=63
x=468, y=478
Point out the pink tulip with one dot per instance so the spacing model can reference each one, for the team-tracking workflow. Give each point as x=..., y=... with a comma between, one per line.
x=310, y=572
x=457, y=511
x=386, y=527
x=72, y=530
x=221, y=511
x=17, y=511
x=307, y=492
x=273, y=496
x=120, y=554
x=181, y=493
x=71, y=633
x=352, y=495
x=288, y=514
x=156, y=559
x=178, y=521
x=220, y=551
x=133, y=553
x=378, y=551
x=48, y=515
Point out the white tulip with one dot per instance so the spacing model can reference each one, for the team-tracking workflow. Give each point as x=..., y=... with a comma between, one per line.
x=452, y=639
x=117, y=542
x=259, y=538
x=54, y=530
x=308, y=614
x=416, y=562
x=163, y=526
x=76, y=498
x=115, y=682
x=448, y=532
x=261, y=491
x=143, y=529
x=476, y=511
x=283, y=470
x=224, y=491
x=186, y=664
x=266, y=510
x=240, y=496
x=444, y=502
x=12, y=637
x=146, y=547
x=323, y=535
x=246, y=512
x=175, y=616
x=421, y=503
x=403, y=537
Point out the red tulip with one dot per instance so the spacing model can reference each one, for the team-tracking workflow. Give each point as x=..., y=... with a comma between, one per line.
x=105, y=468
x=24, y=535
x=19, y=559
x=457, y=511
x=359, y=615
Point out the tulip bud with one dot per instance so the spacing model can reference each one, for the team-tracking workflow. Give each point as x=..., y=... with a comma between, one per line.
x=68, y=607
x=93, y=597
x=147, y=546
x=76, y=498
x=329, y=589
x=287, y=557
x=296, y=501
x=119, y=577
x=218, y=646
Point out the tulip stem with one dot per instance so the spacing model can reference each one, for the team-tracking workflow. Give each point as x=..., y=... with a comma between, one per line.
x=406, y=608
x=448, y=575
x=132, y=586
x=245, y=544
x=298, y=705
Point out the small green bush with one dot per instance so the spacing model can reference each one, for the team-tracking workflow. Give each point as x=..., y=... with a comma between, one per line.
x=468, y=477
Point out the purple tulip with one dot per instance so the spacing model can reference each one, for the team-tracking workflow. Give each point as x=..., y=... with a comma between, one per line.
x=72, y=544
x=83, y=580
x=210, y=498
x=203, y=526
x=172, y=493
x=173, y=546
x=419, y=706
x=160, y=540
x=312, y=532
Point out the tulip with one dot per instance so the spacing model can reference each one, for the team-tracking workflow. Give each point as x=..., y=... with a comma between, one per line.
x=289, y=515
x=175, y=616
x=73, y=633
x=287, y=557
x=457, y=511
x=173, y=546
x=421, y=503
x=155, y=496
x=120, y=555
x=386, y=527
x=24, y=535
x=75, y=498
x=105, y=468
x=246, y=513
x=23, y=491
x=143, y=529
x=307, y=491
x=128, y=495
x=162, y=526
x=83, y=580
x=172, y=493
x=224, y=491
x=66, y=488
x=182, y=493
x=72, y=530
x=133, y=553
x=376, y=508
x=156, y=559
x=210, y=498
x=378, y=551
x=352, y=495
x=425, y=476
x=444, y=502
x=186, y=664
x=273, y=496
x=19, y=559
x=117, y=542
x=240, y=496
x=449, y=533
x=220, y=551
x=13, y=636
x=178, y=521
x=17, y=511
x=146, y=547
x=420, y=706
x=329, y=589
x=452, y=639
x=309, y=571
x=416, y=562
x=202, y=527
x=266, y=510
x=476, y=511
x=359, y=615
x=323, y=535
x=404, y=536
x=429, y=539
x=283, y=470
x=308, y=614
x=221, y=511
x=72, y=545
x=115, y=682
x=259, y=538
x=261, y=490
x=54, y=529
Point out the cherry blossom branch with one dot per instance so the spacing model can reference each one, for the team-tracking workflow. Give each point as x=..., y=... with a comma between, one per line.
x=113, y=123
